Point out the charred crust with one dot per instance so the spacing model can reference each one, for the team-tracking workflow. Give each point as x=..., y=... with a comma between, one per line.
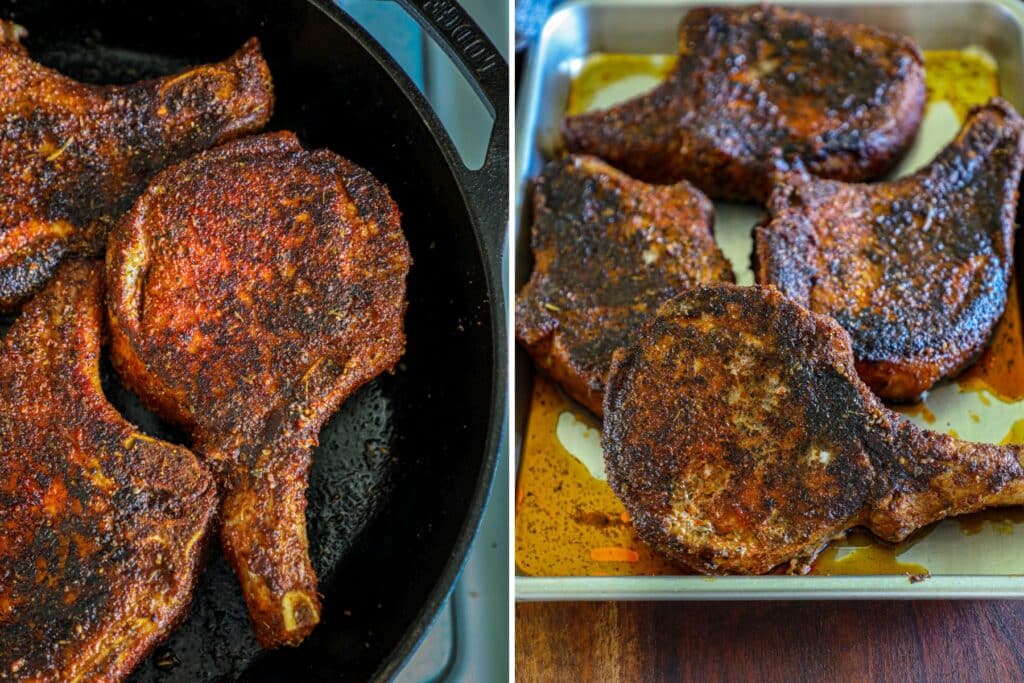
x=740, y=439
x=607, y=249
x=104, y=527
x=75, y=163
x=857, y=92
x=921, y=285
x=715, y=472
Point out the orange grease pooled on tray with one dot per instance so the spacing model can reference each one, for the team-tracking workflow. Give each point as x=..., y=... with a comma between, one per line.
x=919, y=409
x=1000, y=369
x=1000, y=520
x=963, y=78
x=1015, y=435
x=593, y=87
x=867, y=556
x=567, y=522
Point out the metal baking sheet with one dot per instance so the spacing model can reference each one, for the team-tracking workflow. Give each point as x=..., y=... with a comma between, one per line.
x=984, y=565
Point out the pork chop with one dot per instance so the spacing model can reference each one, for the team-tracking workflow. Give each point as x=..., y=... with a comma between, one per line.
x=252, y=289
x=740, y=438
x=76, y=155
x=917, y=269
x=102, y=528
x=762, y=89
x=608, y=249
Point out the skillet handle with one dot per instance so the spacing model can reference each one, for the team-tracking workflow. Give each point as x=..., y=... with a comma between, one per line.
x=487, y=72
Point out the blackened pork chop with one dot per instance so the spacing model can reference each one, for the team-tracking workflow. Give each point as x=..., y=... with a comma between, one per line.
x=739, y=437
x=916, y=270
x=761, y=89
x=252, y=289
x=608, y=249
x=101, y=527
x=74, y=156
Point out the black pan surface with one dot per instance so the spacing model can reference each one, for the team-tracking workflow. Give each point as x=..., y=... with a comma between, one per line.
x=402, y=470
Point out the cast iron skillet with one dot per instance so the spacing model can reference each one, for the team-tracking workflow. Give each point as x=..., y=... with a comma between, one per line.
x=403, y=471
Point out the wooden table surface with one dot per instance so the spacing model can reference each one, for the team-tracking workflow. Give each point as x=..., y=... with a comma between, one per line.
x=838, y=641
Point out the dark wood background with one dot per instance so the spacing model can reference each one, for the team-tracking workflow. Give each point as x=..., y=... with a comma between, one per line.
x=836, y=641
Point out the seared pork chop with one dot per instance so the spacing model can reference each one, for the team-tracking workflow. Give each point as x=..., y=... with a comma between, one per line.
x=916, y=270
x=739, y=438
x=252, y=289
x=608, y=250
x=75, y=155
x=101, y=527
x=761, y=89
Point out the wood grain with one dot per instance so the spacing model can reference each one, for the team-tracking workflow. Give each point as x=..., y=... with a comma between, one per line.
x=847, y=641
